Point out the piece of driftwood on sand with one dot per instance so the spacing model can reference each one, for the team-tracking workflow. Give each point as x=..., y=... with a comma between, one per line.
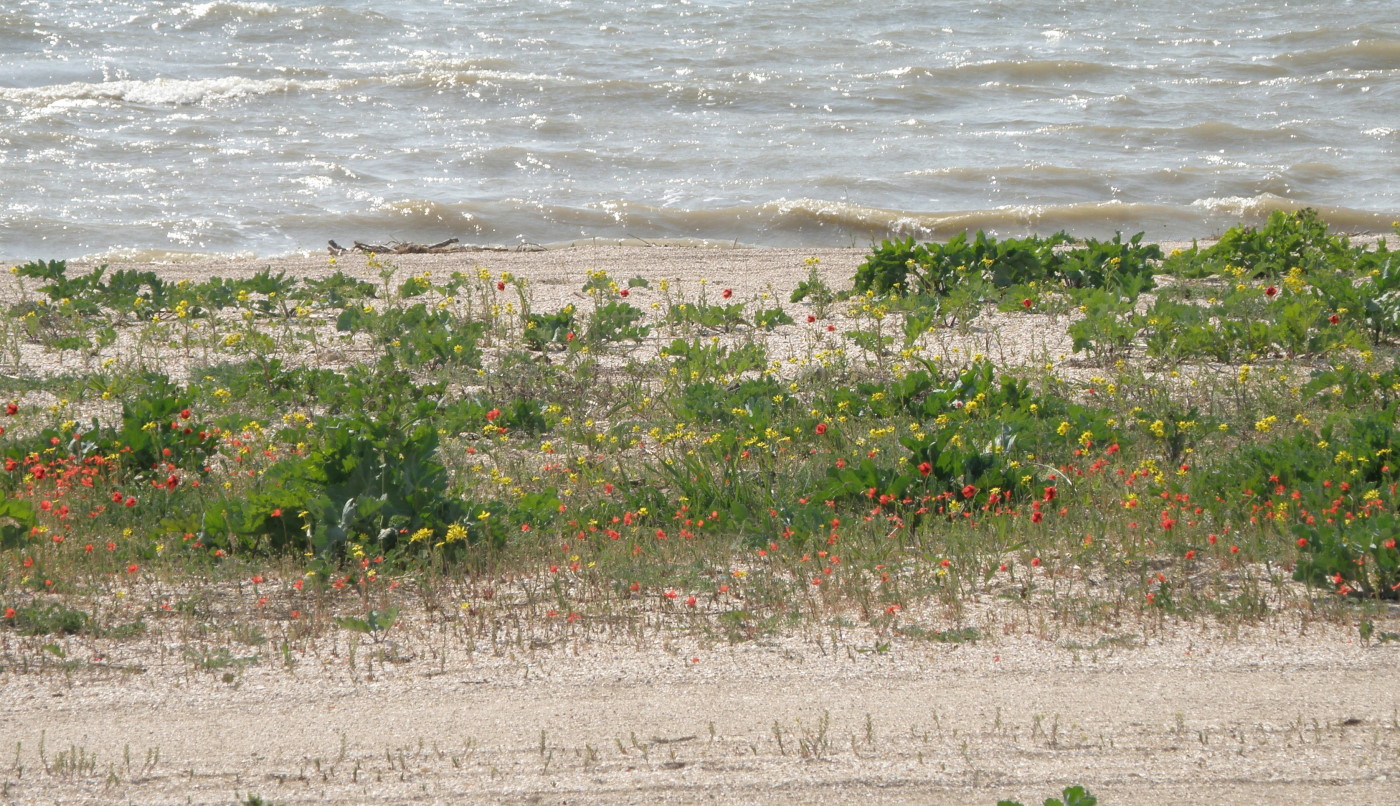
x=440, y=248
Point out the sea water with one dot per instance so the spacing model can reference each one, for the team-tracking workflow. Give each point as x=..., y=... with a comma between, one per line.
x=130, y=127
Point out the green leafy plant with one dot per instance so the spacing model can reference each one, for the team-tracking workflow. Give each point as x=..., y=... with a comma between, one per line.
x=49, y=618
x=770, y=318
x=1072, y=796
x=549, y=330
x=616, y=321
x=17, y=518
x=703, y=358
x=374, y=624
x=1108, y=327
x=814, y=290
x=415, y=335
x=723, y=318
x=1289, y=240
x=902, y=267
x=1124, y=268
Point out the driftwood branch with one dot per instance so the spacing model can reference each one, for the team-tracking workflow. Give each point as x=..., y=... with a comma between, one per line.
x=448, y=246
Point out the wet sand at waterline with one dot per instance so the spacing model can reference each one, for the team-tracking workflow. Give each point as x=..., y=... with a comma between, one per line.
x=1151, y=712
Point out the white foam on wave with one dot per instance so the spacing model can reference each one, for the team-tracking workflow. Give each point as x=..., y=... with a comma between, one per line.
x=161, y=91
x=200, y=11
x=1245, y=206
x=473, y=76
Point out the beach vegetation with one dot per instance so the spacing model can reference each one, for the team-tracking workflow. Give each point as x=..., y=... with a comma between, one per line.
x=1215, y=441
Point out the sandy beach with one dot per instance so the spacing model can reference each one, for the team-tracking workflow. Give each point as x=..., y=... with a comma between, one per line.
x=1283, y=713
x=1157, y=712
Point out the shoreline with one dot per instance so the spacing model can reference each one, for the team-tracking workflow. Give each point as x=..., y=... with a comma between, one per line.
x=174, y=261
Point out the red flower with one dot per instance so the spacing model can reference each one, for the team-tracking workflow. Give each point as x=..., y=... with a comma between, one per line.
x=1334, y=319
x=969, y=491
x=623, y=293
x=1026, y=303
x=1050, y=493
x=184, y=414
x=1037, y=517
x=11, y=409
x=492, y=415
x=133, y=568
x=727, y=293
x=1271, y=291
x=820, y=429
x=1191, y=555
x=811, y=318
x=500, y=285
x=925, y=468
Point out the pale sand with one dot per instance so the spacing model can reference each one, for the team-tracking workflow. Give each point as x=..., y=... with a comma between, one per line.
x=1273, y=715
x=1287, y=712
